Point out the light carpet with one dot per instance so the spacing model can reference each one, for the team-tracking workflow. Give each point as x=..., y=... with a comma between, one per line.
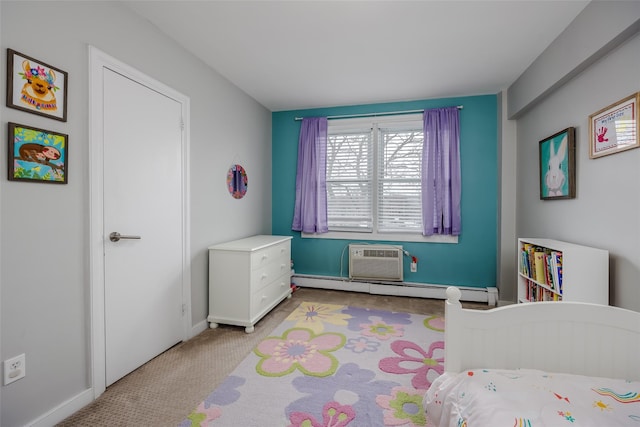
x=331, y=365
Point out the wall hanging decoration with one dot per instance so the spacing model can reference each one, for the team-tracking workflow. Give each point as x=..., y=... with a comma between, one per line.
x=237, y=181
x=36, y=87
x=614, y=128
x=558, y=166
x=37, y=155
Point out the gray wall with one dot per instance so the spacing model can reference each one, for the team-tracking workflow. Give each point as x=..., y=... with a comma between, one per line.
x=507, y=236
x=606, y=210
x=595, y=32
x=44, y=288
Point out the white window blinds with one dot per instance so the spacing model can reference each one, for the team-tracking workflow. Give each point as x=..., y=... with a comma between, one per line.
x=399, y=194
x=373, y=175
x=349, y=181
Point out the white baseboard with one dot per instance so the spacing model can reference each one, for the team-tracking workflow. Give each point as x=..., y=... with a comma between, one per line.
x=64, y=410
x=419, y=290
x=73, y=405
x=199, y=328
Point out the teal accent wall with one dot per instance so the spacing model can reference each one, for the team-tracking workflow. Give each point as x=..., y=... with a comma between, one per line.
x=471, y=262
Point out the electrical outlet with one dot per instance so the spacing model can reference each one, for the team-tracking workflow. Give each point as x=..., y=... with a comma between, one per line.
x=14, y=369
x=414, y=267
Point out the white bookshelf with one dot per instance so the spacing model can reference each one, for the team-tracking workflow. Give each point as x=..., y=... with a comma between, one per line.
x=563, y=272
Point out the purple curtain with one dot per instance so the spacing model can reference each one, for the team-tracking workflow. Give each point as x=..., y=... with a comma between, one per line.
x=310, y=215
x=441, y=184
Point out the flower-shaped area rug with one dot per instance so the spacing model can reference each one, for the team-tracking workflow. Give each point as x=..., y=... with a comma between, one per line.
x=332, y=365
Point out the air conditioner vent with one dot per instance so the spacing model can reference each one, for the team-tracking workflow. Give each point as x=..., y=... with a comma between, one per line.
x=381, y=253
x=377, y=262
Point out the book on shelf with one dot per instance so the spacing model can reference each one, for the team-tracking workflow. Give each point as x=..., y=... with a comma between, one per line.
x=548, y=269
x=553, y=270
x=559, y=270
x=539, y=263
x=524, y=264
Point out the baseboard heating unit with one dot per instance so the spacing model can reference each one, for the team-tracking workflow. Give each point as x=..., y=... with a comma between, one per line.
x=375, y=262
x=374, y=287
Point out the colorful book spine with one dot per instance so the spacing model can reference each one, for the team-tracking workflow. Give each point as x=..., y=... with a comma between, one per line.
x=559, y=271
x=539, y=263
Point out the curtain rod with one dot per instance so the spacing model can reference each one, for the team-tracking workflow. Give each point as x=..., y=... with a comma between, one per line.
x=391, y=113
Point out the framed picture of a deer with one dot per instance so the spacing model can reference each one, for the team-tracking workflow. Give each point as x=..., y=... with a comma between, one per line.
x=36, y=87
x=558, y=165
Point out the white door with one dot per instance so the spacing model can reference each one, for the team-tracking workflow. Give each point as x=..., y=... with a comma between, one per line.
x=142, y=198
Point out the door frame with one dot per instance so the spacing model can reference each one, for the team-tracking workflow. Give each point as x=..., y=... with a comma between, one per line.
x=98, y=61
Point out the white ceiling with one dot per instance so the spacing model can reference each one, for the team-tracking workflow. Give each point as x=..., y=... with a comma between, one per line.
x=304, y=54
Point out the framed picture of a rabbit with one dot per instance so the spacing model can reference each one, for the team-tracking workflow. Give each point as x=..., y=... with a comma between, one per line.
x=558, y=165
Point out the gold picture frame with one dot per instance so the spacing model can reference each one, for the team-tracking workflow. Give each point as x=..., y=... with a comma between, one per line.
x=614, y=128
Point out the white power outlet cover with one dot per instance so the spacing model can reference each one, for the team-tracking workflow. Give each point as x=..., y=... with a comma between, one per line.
x=14, y=369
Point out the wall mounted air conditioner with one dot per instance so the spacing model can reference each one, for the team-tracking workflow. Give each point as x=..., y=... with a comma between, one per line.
x=378, y=262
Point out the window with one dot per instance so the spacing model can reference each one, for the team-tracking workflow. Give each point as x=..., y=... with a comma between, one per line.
x=399, y=187
x=350, y=181
x=374, y=179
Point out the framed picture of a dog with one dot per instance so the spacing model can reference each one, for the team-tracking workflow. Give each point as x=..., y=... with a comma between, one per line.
x=36, y=87
x=37, y=155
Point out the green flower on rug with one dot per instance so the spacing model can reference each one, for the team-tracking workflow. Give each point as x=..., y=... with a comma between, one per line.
x=381, y=330
x=300, y=349
x=403, y=407
x=203, y=415
x=314, y=315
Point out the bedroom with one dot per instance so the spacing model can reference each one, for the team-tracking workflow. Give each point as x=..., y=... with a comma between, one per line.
x=51, y=300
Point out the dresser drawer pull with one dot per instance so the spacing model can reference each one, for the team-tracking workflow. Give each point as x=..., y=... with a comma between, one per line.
x=264, y=276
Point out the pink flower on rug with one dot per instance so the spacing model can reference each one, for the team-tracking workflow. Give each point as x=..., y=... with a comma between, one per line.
x=203, y=415
x=424, y=364
x=333, y=415
x=313, y=316
x=381, y=330
x=299, y=349
x=435, y=323
x=403, y=407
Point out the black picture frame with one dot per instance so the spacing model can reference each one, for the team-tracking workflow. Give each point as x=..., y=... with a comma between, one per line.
x=558, y=165
x=37, y=155
x=36, y=87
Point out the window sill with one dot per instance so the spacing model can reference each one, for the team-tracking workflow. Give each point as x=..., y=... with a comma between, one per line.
x=391, y=237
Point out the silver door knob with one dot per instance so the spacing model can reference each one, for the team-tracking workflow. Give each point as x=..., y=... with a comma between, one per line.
x=115, y=237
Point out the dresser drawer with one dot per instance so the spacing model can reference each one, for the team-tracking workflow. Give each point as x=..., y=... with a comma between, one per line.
x=276, y=253
x=264, y=298
x=270, y=272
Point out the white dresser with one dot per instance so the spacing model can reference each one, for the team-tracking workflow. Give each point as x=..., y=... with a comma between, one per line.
x=248, y=278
